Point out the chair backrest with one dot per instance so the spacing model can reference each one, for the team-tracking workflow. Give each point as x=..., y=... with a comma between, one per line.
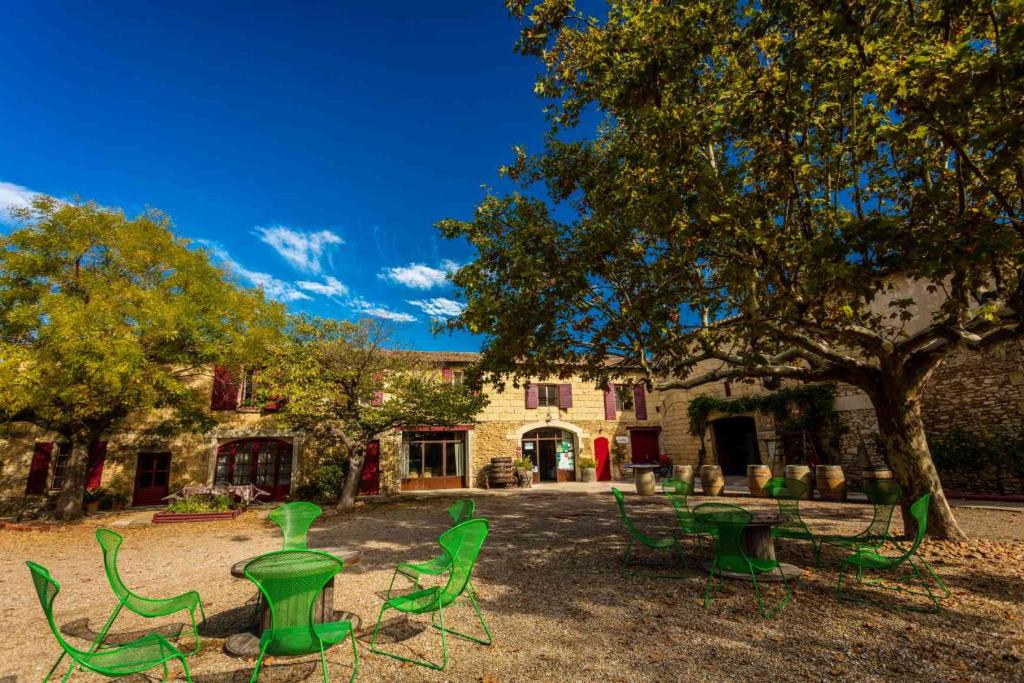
x=47, y=589
x=295, y=520
x=620, y=501
x=462, y=543
x=885, y=495
x=110, y=543
x=461, y=510
x=730, y=520
x=676, y=489
x=291, y=581
x=787, y=493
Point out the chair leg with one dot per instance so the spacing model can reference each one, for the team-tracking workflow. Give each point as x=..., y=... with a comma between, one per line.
x=465, y=636
x=760, y=600
x=418, y=662
x=626, y=558
x=106, y=628
x=323, y=662
x=355, y=657
x=195, y=627
x=184, y=665
x=53, y=668
x=71, y=670
x=710, y=594
x=259, y=664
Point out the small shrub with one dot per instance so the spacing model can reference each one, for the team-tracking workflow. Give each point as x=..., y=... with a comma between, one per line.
x=587, y=463
x=196, y=504
x=325, y=482
x=523, y=464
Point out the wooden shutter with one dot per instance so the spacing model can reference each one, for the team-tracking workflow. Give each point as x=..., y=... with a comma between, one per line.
x=225, y=389
x=94, y=469
x=447, y=375
x=609, y=402
x=564, y=396
x=40, y=468
x=532, y=399
x=639, y=402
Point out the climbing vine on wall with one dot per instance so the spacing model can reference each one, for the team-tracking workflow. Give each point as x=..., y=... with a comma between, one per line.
x=809, y=408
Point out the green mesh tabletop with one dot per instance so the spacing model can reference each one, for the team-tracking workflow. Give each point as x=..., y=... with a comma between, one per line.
x=247, y=644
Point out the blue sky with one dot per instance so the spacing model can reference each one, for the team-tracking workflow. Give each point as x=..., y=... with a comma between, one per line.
x=311, y=146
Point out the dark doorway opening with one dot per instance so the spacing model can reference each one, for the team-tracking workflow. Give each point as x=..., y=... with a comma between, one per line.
x=735, y=444
x=152, y=478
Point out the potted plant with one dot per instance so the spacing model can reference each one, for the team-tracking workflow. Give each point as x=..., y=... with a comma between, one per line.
x=588, y=469
x=93, y=499
x=524, y=471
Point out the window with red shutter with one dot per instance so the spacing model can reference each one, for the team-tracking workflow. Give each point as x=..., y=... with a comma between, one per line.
x=94, y=470
x=531, y=396
x=639, y=402
x=447, y=375
x=225, y=389
x=564, y=396
x=39, y=470
x=609, y=403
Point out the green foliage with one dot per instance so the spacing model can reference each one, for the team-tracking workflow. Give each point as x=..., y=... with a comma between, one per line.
x=523, y=463
x=966, y=452
x=814, y=403
x=587, y=462
x=102, y=316
x=325, y=482
x=194, y=504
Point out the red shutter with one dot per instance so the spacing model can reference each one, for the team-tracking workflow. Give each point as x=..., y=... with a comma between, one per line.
x=94, y=470
x=225, y=389
x=447, y=375
x=609, y=402
x=639, y=402
x=532, y=399
x=378, y=398
x=40, y=469
x=564, y=396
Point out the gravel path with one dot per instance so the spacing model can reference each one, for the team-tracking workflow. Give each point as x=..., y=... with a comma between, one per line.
x=552, y=593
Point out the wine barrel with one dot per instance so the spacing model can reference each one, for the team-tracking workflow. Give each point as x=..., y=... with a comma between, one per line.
x=711, y=480
x=501, y=472
x=801, y=473
x=757, y=477
x=683, y=473
x=879, y=472
x=831, y=482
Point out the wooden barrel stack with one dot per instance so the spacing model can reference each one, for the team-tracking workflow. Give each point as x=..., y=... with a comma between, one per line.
x=501, y=472
x=831, y=482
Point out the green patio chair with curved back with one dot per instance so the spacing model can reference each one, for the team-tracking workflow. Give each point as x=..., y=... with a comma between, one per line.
x=885, y=495
x=462, y=544
x=667, y=543
x=149, y=608
x=869, y=557
x=135, y=657
x=731, y=520
x=787, y=494
x=677, y=491
x=459, y=511
x=295, y=519
x=291, y=582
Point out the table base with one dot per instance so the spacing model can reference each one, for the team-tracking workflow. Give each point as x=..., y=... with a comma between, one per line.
x=247, y=645
x=788, y=570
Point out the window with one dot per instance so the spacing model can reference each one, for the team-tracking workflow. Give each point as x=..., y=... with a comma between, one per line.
x=247, y=392
x=60, y=466
x=432, y=454
x=547, y=395
x=623, y=397
x=458, y=377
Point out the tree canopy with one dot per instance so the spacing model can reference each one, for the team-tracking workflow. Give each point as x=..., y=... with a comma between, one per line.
x=345, y=383
x=769, y=185
x=102, y=316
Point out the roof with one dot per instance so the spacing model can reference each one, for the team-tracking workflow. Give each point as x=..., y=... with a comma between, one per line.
x=445, y=356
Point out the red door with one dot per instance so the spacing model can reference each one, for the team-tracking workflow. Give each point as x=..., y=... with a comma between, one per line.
x=644, y=445
x=369, y=485
x=604, y=469
x=152, y=477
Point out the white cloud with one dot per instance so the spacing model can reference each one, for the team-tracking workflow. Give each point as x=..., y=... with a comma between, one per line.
x=438, y=307
x=419, y=275
x=13, y=197
x=271, y=286
x=379, y=311
x=301, y=249
x=331, y=286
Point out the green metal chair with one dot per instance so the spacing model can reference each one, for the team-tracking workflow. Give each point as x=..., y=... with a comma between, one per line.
x=731, y=520
x=885, y=495
x=667, y=543
x=149, y=608
x=459, y=511
x=295, y=520
x=677, y=491
x=868, y=557
x=787, y=493
x=462, y=544
x=290, y=582
x=135, y=657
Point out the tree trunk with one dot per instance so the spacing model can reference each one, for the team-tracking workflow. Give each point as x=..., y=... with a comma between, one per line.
x=905, y=445
x=70, y=499
x=357, y=457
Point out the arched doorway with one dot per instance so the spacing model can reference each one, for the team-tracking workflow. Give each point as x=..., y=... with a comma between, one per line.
x=604, y=466
x=735, y=443
x=553, y=452
x=265, y=463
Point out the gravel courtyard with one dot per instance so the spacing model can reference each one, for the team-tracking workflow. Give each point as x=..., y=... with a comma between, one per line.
x=552, y=594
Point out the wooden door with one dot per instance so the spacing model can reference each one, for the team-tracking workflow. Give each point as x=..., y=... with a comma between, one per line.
x=644, y=445
x=152, y=479
x=369, y=484
x=273, y=461
x=604, y=466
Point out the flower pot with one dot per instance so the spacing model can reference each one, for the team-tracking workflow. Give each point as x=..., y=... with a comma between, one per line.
x=757, y=478
x=92, y=506
x=683, y=473
x=588, y=474
x=711, y=480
